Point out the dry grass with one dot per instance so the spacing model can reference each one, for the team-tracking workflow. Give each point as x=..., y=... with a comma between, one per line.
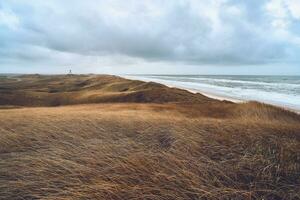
x=36, y=90
x=206, y=150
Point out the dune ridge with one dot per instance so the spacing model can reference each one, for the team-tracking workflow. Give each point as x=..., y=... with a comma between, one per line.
x=42, y=90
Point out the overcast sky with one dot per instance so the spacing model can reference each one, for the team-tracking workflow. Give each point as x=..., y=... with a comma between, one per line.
x=150, y=36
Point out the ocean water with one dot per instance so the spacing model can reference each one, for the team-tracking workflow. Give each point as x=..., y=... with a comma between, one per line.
x=282, y=91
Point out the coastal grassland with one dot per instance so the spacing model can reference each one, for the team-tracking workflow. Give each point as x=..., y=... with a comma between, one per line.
x=149, y=151
x=104, y=137
x=59, y=90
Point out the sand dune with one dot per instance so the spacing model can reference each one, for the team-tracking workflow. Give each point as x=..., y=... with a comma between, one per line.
x=133, y=140
x=36, y=90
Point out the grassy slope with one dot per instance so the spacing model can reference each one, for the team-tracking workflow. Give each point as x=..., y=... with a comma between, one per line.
x=35, y=90
x=183, y=148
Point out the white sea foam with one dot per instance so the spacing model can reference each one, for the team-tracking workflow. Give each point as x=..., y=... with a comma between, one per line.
x=285, y=94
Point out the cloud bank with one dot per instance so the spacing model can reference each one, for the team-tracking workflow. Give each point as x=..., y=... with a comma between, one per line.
x=97, y=33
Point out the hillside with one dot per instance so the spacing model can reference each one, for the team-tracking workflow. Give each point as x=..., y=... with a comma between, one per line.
x=37, y=90
x=133, y=140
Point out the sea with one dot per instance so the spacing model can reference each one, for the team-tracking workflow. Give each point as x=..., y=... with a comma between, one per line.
x=283, y=91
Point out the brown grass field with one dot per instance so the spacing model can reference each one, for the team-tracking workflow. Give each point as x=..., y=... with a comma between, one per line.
x=105, y=137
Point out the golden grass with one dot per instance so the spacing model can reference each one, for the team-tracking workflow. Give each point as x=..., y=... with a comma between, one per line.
x=36, y=90
x=200, y=150
x=138, y=151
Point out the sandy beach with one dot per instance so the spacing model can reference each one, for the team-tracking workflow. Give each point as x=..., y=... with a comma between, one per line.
x=226, y=98
x=212, y=94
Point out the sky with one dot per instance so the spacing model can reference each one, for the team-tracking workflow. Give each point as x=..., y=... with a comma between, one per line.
x=150, y=36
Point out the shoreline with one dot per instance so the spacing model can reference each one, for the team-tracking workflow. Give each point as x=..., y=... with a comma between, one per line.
x=208, y=94
x=212, y=94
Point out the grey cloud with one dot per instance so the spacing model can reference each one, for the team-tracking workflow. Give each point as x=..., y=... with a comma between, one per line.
x=196, y=32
